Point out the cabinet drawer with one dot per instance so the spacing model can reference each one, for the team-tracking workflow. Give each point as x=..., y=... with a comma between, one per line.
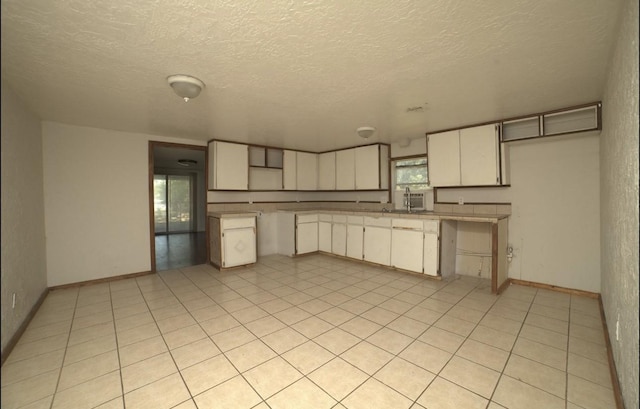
x=324, y=217
x=355, y=220
x=339, y=218
x=307, y=218
x=377, y=221
x=407, y=224
x=238, y=223
x=431, y=226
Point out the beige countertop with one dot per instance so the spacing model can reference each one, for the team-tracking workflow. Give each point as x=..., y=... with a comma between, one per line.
x=429, y=215
x=489, y=218
x=231, y=214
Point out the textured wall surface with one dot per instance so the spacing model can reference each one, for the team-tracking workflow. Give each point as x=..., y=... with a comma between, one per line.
x=619, y=203
x=23, y=239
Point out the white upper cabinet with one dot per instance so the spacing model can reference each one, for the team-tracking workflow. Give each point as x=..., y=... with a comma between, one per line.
x=327, y=171
x=307, y=171
x=346, y=169
x=289, y=171
x=363, y=168
x=479, y=164
x=464, y=157
x=228, y=166
x=444, y=158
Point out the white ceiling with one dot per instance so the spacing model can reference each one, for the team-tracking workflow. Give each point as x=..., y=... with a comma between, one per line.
x=304, y=74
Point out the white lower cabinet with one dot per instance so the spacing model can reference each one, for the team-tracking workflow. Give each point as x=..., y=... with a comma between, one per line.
x=232, y=241
x=355, y=237
x=407, y=244
x=431, y=251
x=306, y=233
x=339, y=235
x=377, y=240
x=324, y=233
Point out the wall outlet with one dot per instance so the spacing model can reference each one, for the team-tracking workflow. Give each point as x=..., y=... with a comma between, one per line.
x=460, y=200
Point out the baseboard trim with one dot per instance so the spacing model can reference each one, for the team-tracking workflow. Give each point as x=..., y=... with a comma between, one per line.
x=613, y=372
x=23, y=327
x=100, y=280
x=571, y=291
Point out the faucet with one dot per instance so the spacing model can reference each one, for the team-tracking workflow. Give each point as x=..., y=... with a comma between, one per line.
x=407, y=200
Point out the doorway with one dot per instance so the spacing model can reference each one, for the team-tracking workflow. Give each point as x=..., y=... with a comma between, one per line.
x=178, y=205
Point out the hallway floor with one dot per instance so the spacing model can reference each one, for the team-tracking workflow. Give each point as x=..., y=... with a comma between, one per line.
x=313, y=332
x=178, y=250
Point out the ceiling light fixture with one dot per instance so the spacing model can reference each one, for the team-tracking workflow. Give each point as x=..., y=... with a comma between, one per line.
x=365, y=131
x=187, y=162
x=186, y=86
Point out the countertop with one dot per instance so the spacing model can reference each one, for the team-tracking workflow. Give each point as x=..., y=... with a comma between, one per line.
x=229, y=214
x=429, y=215
x=489, y=218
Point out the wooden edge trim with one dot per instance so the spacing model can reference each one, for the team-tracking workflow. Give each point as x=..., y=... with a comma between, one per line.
x=100, y=280
x=617, y=392
x=555, y=288
x=23, y=327
x=504, y=286
x=494, y=258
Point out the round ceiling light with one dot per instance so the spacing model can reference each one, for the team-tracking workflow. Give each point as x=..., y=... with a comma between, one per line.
x=186, y=86
x=187, y=162
x=365, y=131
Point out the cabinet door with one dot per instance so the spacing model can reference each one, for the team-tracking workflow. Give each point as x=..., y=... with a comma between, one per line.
x=307, y=238
x=443, y=151
x=339, y=239
x=367, y=167
x=230, y=166
x=355, y=238
x=377, y=245
x=346, y=169
x=406, y=249
x=324, y=236
x=431, y=252
x=479, y=156
x=307, y=171
x=238, y=247
x=289, y=171
x=327, y=171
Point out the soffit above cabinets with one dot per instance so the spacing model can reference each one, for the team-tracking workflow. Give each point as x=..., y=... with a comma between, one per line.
x=304, y=75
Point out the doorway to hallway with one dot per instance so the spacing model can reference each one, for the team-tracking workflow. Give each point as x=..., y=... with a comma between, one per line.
x=178, y=205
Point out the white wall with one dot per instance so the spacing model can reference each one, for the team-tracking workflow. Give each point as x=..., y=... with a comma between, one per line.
x=23, y=256
x=619, y=203
x=96, y=201
x=554, y=227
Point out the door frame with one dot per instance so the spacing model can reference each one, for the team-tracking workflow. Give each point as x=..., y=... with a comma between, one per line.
x=152, y=238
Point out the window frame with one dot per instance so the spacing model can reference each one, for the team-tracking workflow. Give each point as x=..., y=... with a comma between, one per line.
x=413, y=186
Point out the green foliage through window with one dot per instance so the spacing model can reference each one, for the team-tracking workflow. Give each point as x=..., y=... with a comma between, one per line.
x=411, y=173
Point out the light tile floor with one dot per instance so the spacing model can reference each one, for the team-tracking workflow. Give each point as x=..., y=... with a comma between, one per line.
x=312, y=332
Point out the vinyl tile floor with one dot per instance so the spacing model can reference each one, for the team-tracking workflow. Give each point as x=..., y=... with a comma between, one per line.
x=311, y=332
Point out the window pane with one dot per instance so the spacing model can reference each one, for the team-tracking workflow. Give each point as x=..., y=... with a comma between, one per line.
x=179, y=203
x=159, y=203
x=411, y=173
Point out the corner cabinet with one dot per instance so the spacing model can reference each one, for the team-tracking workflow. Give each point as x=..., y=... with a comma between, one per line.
x=232, y=241
x=228, y=166
x=465, y=157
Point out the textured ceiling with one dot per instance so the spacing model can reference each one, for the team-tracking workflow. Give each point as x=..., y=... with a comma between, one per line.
x=304, y=74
